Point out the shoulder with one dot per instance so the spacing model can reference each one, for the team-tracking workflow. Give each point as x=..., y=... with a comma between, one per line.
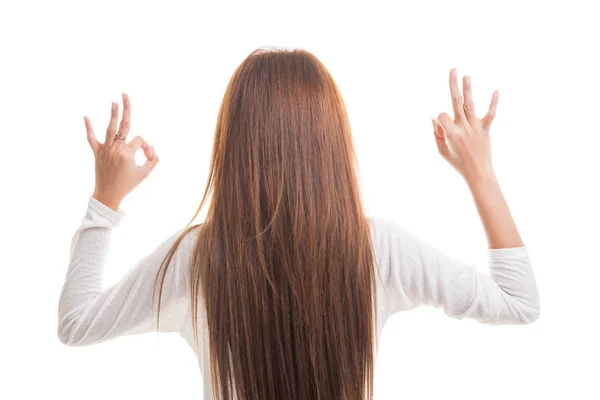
x=385, y=228
x=181, y=244
x=386, y=235
x=394, y=242
x=174, y=257
x=185, y=239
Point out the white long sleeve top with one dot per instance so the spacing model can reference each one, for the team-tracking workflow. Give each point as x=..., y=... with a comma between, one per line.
x=413, y=273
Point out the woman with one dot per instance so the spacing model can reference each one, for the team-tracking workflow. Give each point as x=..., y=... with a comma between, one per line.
x=284, y=290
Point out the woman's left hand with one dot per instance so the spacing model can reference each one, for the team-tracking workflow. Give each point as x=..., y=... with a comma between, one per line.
x=117, y=173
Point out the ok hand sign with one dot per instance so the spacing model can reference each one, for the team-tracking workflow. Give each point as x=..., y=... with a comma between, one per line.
x=117, y=173
x=465, y=141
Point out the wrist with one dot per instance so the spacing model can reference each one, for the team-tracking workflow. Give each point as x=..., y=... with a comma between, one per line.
x=108, y=201
x=479, y=179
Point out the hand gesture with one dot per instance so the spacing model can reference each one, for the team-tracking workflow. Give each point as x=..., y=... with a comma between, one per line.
x=117, y=173
x=465, y=140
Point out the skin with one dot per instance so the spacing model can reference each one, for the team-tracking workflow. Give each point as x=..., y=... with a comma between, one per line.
x=117, y=173
x=464, y=141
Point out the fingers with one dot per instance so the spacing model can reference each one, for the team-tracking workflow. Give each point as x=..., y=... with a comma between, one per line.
x=439, y=137
x=151, y=158
x=447, y=125
x=137, y=143
x=489, y=117
x=91, y=137
x=126, y=117
x=457, y=101
x=469, y=107
x=111, y=131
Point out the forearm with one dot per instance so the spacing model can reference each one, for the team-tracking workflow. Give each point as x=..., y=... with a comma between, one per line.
x=498, y=223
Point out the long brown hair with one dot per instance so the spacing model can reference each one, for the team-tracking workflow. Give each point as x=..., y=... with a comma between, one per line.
x=284, y=258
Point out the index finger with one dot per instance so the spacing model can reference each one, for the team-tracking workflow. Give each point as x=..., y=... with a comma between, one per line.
x=457, y=100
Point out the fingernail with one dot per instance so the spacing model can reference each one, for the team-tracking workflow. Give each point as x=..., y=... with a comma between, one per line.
x=114, y=106
x=453, y=72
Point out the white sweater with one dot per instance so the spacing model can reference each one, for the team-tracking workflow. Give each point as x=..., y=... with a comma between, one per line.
x=413, y=273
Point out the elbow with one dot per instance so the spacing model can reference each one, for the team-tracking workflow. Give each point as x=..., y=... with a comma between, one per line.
x=528, y=309
x=71, y=330
x=530, y=313
x=63, y=336
x=530, y=317
x=73, y=335
x=64, y=340
x=66, y=336
x=533, y=311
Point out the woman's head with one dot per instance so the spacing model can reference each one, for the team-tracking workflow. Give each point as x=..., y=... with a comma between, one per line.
x=282, y=134
x=283, y=261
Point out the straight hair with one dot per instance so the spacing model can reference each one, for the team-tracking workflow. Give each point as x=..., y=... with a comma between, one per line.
x=284, y=260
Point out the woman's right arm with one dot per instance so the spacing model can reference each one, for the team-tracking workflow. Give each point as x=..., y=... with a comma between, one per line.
x=419, y=274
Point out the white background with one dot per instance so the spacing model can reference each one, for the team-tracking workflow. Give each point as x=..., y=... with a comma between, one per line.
x=60, y=61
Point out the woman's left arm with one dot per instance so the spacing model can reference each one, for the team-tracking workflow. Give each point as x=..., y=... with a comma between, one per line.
x=89, y=314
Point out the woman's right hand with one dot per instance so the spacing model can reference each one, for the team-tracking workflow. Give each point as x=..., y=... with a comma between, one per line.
x=465, y=140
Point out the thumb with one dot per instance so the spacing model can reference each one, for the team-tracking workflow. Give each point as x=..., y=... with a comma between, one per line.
x=151, y=160
x=437, y=129
x=440, y=139
x=91, y=137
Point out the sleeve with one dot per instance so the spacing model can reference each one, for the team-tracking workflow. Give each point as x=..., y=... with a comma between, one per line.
x=87, y=314
x=419, y=274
